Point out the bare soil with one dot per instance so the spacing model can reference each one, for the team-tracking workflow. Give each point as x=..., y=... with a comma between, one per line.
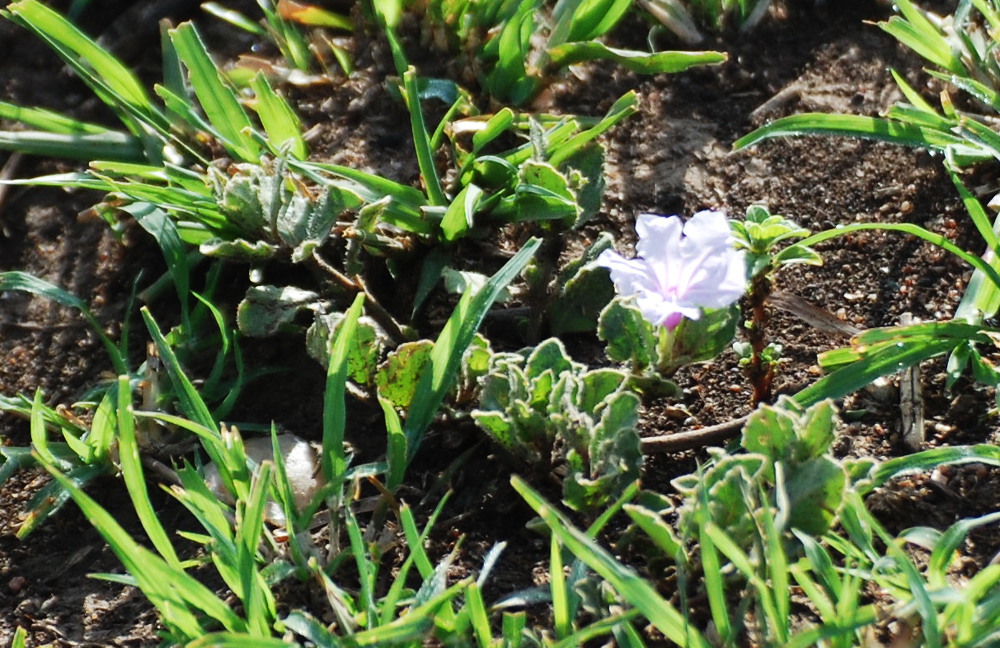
x=673, y=157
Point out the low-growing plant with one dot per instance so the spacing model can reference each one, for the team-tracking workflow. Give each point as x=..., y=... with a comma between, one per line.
x=157, y=133
x=783, y=515
x=254, y=558
x=689, y=19
x=759, y=234
x=515, y=48
x=676, y=301
x=551, y=413
x=787, y=463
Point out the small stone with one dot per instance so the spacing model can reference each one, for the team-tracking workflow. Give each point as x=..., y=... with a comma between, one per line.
x=882, y=390
x=939, y=477
x=26, y=606
x=943, y=429
x=17, y=584
x=302, y=465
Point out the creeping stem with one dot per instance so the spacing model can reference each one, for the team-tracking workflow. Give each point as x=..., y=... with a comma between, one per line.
x=760, y=370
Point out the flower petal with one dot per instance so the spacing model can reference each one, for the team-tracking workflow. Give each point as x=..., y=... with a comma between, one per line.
x=660, y=245
x=630, y=276
x=680, y=268
x=708, y=229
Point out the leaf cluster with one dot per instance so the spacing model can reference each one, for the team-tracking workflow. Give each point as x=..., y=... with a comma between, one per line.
x=547, y=411
x=517, y=47
x=787, y=466
x=761, y=232
x=651, y=353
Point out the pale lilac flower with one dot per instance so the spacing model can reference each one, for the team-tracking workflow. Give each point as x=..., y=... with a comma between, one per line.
x=679, y=268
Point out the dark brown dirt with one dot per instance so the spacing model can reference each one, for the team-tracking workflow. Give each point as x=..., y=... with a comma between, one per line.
x=673, y=157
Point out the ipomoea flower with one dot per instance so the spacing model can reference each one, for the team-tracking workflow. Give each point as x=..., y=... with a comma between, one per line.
x=679, y=268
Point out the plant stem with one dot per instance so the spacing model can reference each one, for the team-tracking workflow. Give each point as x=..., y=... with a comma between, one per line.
x=760, y=371
x=665, y=352
x=692, y=439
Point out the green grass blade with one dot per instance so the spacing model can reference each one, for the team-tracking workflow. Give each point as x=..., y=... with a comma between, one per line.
x=421, y=141
x=605, y=626
x=102, y=428
x=135, y=482
x=235, y=640
x=219, y=101
x=234, y=18
x=451, y=344
x=191, y=403
x=625, y=106
x=561, y=616
x=509, y=79
x=377, y=187
x=172, y=591
x=412, y=628
x=976, y=212
x=458, y=218
x=742, y=562
x=916, y=32
x=976, y=131
x=366, y=566
x=48, y=121
x=715, y=585
x=39, y=433
x=313, y=16
x=636, y=591
x=661, y=533
x=109, y=145
x=51, y=497
x=334, y=420
x=156, y=222
x=853, y=377
x=208, y=510
x=479, y=617
x=512, y=628
x=875, y=128
x=865, y=616
x=602, y=520
x=777, y=570
x=258, y=601
x=282, y=125
x=949, y=543
x=20, y=639
x=415, y=540
x=634, y=61
x=981, y=297
x=930, y=459
x=591, y=19
x=817, y=597
x=395, y=451
x=931, y=633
